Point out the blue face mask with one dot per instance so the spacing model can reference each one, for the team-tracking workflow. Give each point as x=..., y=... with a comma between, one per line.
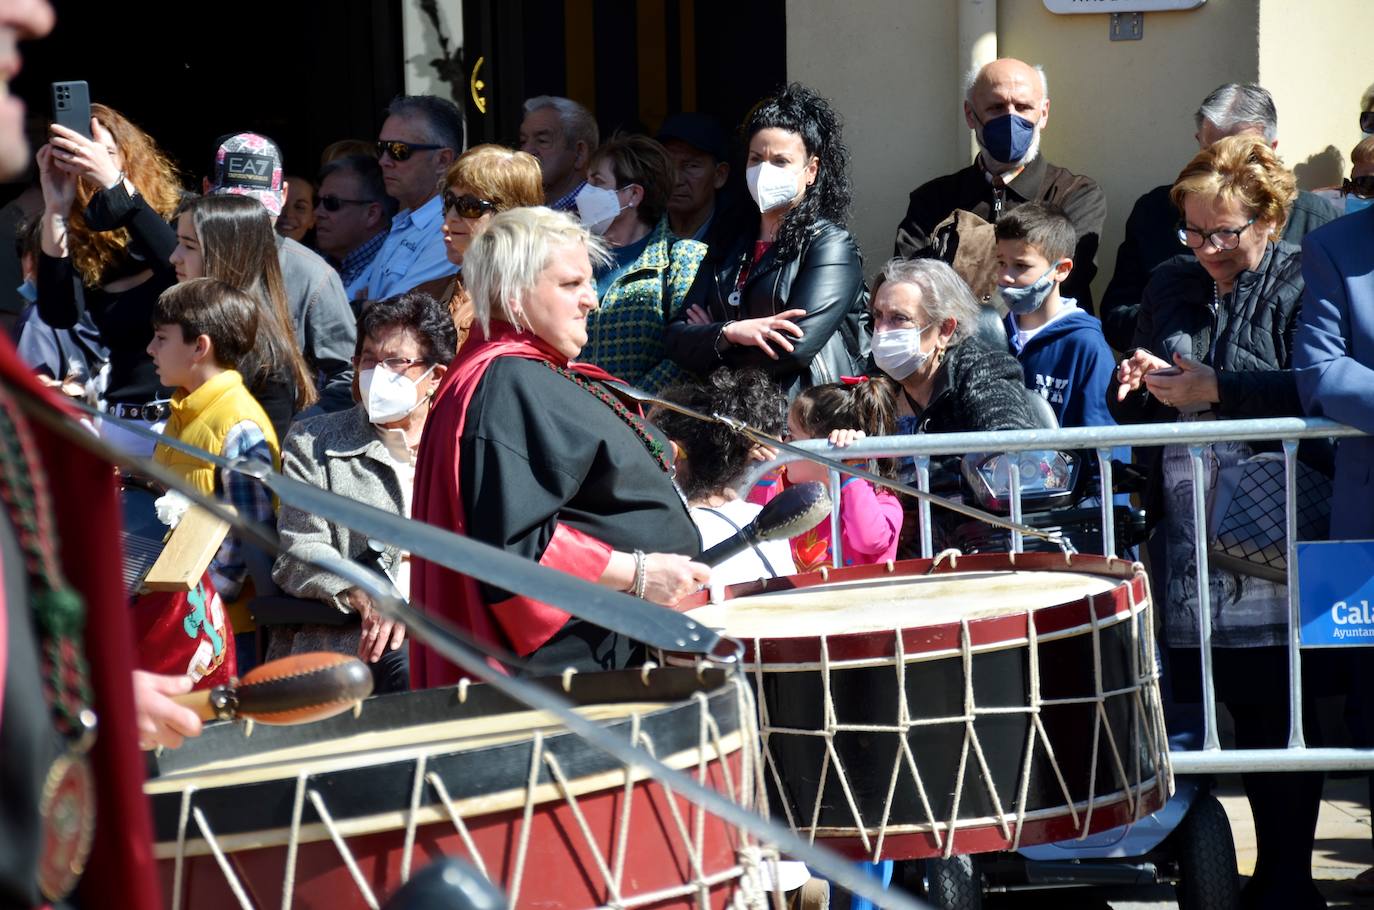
x=1007, y=138
x=28, y=290
x=1353, y=204
x=1026, y=300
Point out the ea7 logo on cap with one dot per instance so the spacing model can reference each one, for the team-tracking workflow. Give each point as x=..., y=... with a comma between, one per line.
x=242, y=169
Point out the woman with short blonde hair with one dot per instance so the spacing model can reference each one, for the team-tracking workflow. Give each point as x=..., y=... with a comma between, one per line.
x=1214, y=341
x=550, y=462
x=485, y=179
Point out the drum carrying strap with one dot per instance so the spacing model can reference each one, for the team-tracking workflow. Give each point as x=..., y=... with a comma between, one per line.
x=772, y=572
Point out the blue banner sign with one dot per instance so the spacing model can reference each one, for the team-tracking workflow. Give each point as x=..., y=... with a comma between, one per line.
x=1336, y=592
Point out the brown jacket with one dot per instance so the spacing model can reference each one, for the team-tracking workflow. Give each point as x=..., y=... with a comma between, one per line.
x=450, y=288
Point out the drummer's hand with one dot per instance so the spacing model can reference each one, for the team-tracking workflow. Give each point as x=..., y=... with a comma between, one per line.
x=161, y=721
x=1133, y=370
x=379, y=633
x=669, y=577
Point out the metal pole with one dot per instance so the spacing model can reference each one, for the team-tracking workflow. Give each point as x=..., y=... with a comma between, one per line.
x=923, y=484
x=1296, y=739
x=1104, y=473
x=1015, y=478
x=836, y=546
x=1204, y=599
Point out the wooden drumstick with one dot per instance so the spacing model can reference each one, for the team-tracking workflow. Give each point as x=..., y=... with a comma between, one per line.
x=293, y=690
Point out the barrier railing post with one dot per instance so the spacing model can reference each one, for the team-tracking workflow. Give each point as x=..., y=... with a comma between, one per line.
x=923, y=484
x=1296, y=739
x=1015, y=478
x=1104, y=473
x=836, y=545
x=1210, y=740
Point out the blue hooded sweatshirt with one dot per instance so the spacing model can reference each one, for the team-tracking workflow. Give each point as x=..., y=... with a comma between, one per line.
x=1069, y=363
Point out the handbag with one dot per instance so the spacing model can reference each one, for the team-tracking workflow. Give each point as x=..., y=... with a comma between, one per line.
x=1247, y=527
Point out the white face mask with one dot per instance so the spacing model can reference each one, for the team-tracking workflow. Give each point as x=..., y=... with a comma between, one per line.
x=771, y=186
x=597, y=207
x=387, y=396
x=897, y=352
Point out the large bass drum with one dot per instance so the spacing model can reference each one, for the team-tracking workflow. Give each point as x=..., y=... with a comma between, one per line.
x=338, y=814
x=958, y=705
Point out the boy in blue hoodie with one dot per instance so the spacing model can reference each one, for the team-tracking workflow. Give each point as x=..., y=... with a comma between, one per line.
x=1061, y=348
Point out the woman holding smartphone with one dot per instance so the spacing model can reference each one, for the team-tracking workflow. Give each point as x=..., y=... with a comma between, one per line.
x=107, y=202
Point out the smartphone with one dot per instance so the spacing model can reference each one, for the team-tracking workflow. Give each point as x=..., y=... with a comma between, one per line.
x=71, y=106
x=1167, y=371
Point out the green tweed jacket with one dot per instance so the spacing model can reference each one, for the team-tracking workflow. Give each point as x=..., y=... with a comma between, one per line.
x=625, y=333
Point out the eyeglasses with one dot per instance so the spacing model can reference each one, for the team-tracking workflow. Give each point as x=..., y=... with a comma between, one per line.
x=467, y=205
x=334, y=203
x=401, y=151
x=392, y=364
x=1222, y=239
x=1367, y=122
x=1359, y=186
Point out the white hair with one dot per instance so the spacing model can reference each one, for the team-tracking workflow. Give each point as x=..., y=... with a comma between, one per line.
x=971, y=79
x=578, y=123
x=504, y=262
x=1235, y=106
x=944, y=295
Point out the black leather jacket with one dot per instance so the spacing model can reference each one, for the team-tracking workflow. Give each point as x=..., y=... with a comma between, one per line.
x=825, y=279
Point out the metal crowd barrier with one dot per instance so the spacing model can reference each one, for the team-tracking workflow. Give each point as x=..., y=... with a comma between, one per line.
x=1211, y=758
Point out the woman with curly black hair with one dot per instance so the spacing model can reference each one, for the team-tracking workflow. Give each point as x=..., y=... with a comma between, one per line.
x=788, y=294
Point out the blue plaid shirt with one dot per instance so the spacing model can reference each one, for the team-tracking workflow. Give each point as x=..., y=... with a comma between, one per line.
x=353, y=269
x=249, y=497
x=564, y=203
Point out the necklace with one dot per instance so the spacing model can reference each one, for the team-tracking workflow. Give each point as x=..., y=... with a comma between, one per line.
x=67, y=801
x=636, y=424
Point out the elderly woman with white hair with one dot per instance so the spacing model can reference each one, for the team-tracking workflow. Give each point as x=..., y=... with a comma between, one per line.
x=925, y=336
x=534, y=453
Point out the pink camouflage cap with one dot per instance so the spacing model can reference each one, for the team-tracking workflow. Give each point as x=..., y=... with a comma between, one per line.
x=249, y=164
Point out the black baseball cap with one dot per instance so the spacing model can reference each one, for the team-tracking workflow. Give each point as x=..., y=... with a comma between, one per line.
x=700, y=131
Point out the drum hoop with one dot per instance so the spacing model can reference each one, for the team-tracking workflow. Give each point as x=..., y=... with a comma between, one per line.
x=663, y=725
x=1121, y=602
x=435, y=813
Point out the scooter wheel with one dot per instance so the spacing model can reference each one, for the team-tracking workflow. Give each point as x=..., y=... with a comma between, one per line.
x=955, y=883
x=1206, y=855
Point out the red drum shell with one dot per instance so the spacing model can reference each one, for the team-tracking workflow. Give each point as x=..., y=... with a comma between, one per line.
x=369, y=805
x=1103, y=635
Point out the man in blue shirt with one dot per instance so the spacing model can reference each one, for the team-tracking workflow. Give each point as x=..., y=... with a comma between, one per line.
x=420, y=139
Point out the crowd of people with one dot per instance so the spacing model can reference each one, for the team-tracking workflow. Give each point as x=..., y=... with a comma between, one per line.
x=444, y=333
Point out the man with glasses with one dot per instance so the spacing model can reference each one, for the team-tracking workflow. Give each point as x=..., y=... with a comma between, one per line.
x=352, y=217
x=1231, y=110
x=420, y=139
x=562, y=135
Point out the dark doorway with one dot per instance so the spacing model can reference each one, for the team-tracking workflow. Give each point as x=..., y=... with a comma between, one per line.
x=631, y=62
x=305, y=74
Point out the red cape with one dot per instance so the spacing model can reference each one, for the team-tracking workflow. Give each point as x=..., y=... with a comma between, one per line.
x=517, y=624
x=86, y=510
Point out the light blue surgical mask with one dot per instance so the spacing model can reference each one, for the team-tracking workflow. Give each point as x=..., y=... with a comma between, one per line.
x=28, y=290
x=1026, y=300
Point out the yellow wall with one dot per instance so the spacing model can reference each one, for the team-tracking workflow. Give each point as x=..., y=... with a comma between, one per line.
x=1120, y=111
x=888, y=66
x=1315, y=59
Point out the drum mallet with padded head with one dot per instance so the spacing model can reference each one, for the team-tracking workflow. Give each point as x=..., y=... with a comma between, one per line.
x=293, y=690
x=794, y=511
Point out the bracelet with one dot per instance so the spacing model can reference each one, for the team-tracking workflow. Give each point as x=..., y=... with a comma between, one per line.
x=720, y=336
x=640, y=565
x=118, y=180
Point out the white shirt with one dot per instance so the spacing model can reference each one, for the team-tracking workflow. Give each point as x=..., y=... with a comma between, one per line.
x=748, y=565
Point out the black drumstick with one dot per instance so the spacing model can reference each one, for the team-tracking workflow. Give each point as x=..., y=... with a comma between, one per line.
x=796, y=509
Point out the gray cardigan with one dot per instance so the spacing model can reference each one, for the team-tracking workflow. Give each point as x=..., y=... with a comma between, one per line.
x=340, y=452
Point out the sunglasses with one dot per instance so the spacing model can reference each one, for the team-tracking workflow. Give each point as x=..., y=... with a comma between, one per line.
x=467, y=205
x=334, y=203
x=401, y=151
x=1367, y=122
x=1359, y=186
